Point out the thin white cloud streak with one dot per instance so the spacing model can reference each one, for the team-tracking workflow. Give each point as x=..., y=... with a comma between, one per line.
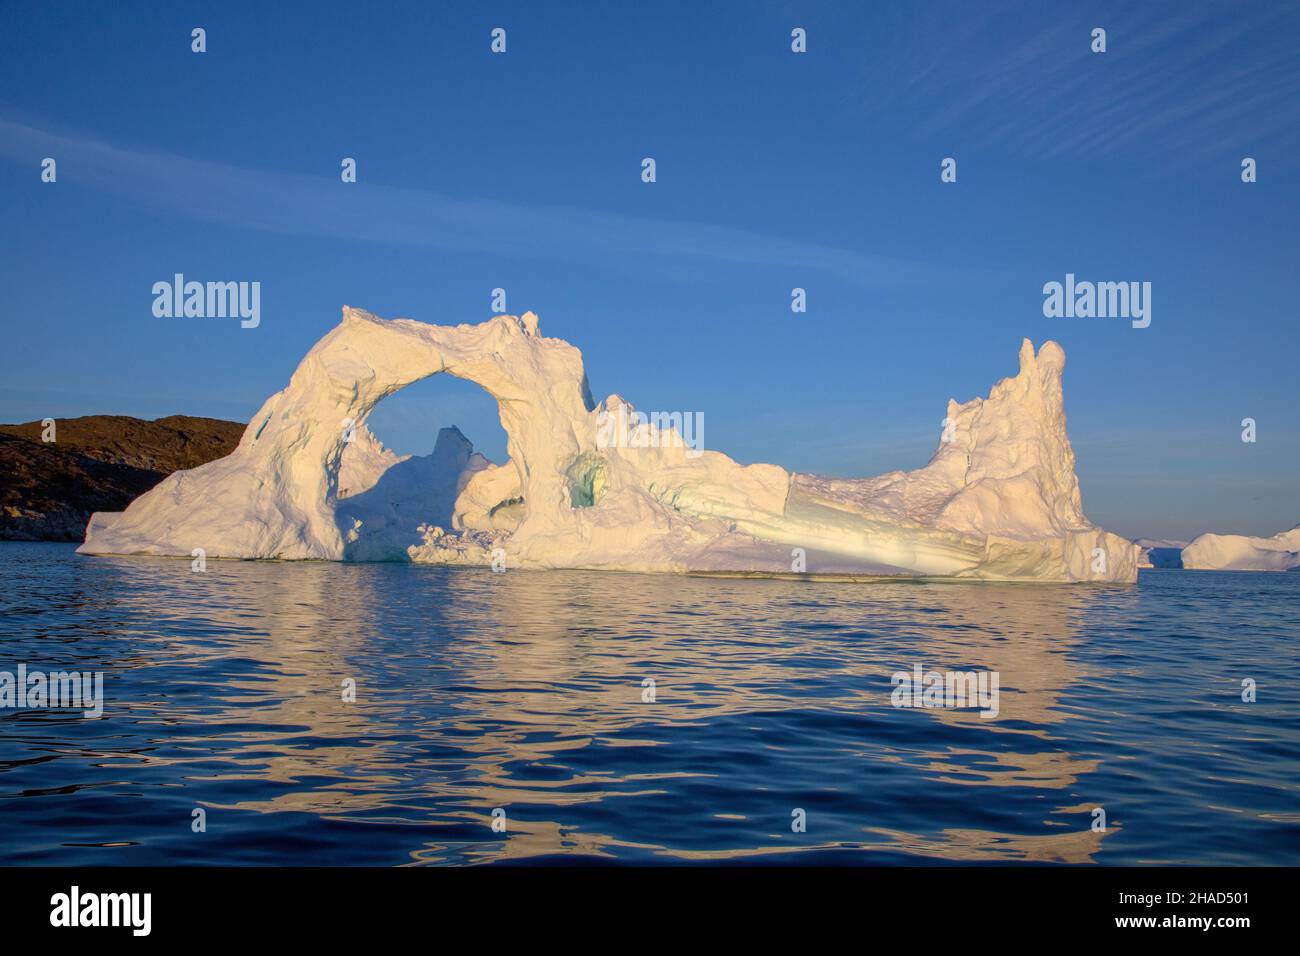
x=1177, y=82
x=294, y=204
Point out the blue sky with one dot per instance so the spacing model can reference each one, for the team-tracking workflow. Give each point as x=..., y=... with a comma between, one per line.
x=775, y=170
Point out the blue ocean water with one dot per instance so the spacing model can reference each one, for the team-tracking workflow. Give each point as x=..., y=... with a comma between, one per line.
x=524, y=693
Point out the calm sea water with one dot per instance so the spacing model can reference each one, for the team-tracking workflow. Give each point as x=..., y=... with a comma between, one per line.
x=524, y=692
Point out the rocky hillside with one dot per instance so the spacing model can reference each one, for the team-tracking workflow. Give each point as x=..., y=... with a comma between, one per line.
x=98, y=463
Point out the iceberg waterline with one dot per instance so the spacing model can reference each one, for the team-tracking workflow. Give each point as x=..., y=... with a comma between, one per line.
x=999, y=499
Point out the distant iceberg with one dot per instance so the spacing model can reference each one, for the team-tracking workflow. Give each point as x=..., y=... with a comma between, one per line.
x=999, y=499
x=1235, y=552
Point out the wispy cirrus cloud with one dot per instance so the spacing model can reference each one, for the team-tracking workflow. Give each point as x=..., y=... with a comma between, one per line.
x=302, y=205
x=1177, y=80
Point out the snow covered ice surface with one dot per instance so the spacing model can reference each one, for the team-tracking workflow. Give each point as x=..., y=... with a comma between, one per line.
x=999, y=499
x=1235, y=552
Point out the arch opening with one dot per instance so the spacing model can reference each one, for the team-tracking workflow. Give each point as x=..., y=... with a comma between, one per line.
x=408, y=421
x=404, y=468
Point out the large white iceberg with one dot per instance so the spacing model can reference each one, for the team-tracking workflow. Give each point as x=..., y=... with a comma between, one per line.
x=1236, y=552
x=999, y=498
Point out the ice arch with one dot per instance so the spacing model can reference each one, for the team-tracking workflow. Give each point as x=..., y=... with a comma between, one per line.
x=276, y=494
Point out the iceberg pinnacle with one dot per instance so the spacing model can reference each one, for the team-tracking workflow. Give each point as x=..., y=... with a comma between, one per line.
x=999, y=499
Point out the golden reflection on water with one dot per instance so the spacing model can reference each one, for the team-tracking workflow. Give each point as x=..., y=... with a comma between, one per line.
x=473, y=687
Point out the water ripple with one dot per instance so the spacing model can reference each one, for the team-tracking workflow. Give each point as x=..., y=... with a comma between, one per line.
x=525, y=693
